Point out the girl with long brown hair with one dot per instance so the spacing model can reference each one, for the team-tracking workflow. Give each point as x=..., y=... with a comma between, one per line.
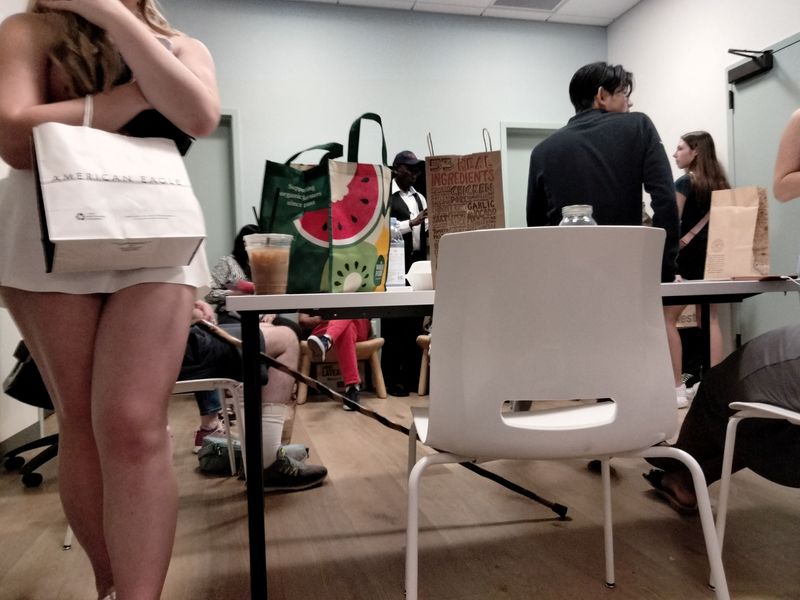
x=697, y=155
x=109, y=343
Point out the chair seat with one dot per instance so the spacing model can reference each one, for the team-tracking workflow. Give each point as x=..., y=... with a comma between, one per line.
x=761, y=410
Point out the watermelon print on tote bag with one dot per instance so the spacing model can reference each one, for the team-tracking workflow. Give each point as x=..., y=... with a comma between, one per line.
x=338, y=213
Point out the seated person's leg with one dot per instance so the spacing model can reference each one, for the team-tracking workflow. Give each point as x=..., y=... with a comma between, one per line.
x=767, y=369
x=210, y=407
x=281, y=471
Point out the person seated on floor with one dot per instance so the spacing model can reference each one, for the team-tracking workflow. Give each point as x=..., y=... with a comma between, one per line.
x=341, y=334
x=766, y=369
x=209, y=356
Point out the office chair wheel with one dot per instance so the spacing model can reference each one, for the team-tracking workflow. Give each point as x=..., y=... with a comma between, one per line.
x=14, y=463
x=32, y=480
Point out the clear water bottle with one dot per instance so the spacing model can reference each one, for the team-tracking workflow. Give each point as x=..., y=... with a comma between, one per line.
x=396, y=272
x=577, y=214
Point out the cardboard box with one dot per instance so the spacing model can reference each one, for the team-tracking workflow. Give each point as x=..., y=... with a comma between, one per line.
x=330, y=375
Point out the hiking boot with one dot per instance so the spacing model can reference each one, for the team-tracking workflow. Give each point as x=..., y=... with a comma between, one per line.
x=199, y=435
x=289, y=475
x=352, y=394
x=318, y=345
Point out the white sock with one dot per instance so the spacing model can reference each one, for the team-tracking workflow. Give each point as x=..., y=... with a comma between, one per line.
x=272, y=417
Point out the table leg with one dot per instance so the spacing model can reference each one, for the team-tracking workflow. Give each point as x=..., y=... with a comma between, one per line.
x=705, y=337
x=255, y=474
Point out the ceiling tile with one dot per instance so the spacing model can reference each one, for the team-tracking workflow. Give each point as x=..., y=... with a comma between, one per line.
x=596, y=8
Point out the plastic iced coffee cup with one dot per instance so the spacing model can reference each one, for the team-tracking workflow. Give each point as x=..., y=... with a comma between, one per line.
x=269, y=261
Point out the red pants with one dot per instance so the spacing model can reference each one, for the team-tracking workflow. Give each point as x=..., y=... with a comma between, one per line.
x=344, y=334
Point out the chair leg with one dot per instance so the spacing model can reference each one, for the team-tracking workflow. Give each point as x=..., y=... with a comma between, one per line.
x=377, y=375
x=725, y=481
x=706, y=516
x=608, y=530
x=305, y=369
x=226, y=421
x=67, y=545
x=238, y=409
x=422, y=386
x=412, y=447
x=412, y=529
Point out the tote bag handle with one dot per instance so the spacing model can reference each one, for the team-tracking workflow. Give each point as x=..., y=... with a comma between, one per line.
x=333, y=150
x=355, y=134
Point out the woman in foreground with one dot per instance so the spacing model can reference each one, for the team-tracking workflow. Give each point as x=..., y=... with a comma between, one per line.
x=109, y=343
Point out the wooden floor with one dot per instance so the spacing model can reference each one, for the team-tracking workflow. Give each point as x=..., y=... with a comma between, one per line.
x=345, y=540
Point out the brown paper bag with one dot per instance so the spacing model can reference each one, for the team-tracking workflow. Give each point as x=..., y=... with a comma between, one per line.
x=464, y=193
x=738, y=234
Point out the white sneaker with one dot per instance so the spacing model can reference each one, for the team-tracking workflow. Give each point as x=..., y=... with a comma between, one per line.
x=680, y=393
x=691, y=392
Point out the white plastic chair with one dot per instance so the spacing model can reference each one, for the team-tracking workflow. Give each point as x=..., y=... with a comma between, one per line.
x=234, y=398
x=746, y=410
x=551, y=313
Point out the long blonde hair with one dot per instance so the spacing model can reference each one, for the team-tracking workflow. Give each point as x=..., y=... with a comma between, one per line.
x=86, y=56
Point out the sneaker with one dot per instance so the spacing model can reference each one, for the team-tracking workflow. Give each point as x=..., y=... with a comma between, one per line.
x=352, y=394
x=680, y=393
x=318, y=345
x=289, y=475
x=200, y=434
x=691, y=391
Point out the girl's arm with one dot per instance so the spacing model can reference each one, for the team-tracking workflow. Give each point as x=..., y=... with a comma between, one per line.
x=25, y=40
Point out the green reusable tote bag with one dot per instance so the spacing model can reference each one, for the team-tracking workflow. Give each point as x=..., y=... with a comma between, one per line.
x=290, y=191
x=338, y=213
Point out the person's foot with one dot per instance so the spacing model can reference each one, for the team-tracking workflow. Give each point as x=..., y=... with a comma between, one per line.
x=318, y=345
x=397, y=389
x=352, y=394
x=289, y=475
x=202, y=433
x=671, y=488
x=680, y=394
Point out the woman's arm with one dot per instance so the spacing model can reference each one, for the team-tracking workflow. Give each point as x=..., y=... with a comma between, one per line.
x=786, y=182
x=680, y=200
x=25, y=41
x=181, y=86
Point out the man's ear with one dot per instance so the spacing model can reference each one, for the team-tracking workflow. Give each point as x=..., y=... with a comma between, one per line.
x=600, y=98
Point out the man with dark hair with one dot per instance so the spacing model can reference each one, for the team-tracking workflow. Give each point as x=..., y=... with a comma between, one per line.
x=603, y=157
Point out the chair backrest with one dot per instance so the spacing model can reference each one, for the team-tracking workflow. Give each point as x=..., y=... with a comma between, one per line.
x=550, y=313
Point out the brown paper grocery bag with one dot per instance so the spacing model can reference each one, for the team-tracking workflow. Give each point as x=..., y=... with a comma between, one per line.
x=464, y=193
x=738, y=234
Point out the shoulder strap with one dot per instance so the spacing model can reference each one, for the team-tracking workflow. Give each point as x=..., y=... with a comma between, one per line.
x=684, y=241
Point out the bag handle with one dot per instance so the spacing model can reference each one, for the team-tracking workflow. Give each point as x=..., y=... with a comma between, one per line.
x=333, y=150
x=355, y=134
x=487, y=140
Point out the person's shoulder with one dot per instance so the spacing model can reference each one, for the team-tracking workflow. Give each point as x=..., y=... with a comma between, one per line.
x=27, y=27
x=182, y=43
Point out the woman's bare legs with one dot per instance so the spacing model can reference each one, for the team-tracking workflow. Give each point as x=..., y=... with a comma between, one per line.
x=671, y=316
x=714, y=336
x=141, y=338
x=110, y=363
x=59, y=330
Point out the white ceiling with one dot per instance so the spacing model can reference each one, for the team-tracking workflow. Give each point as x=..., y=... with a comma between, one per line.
x=580, y=12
